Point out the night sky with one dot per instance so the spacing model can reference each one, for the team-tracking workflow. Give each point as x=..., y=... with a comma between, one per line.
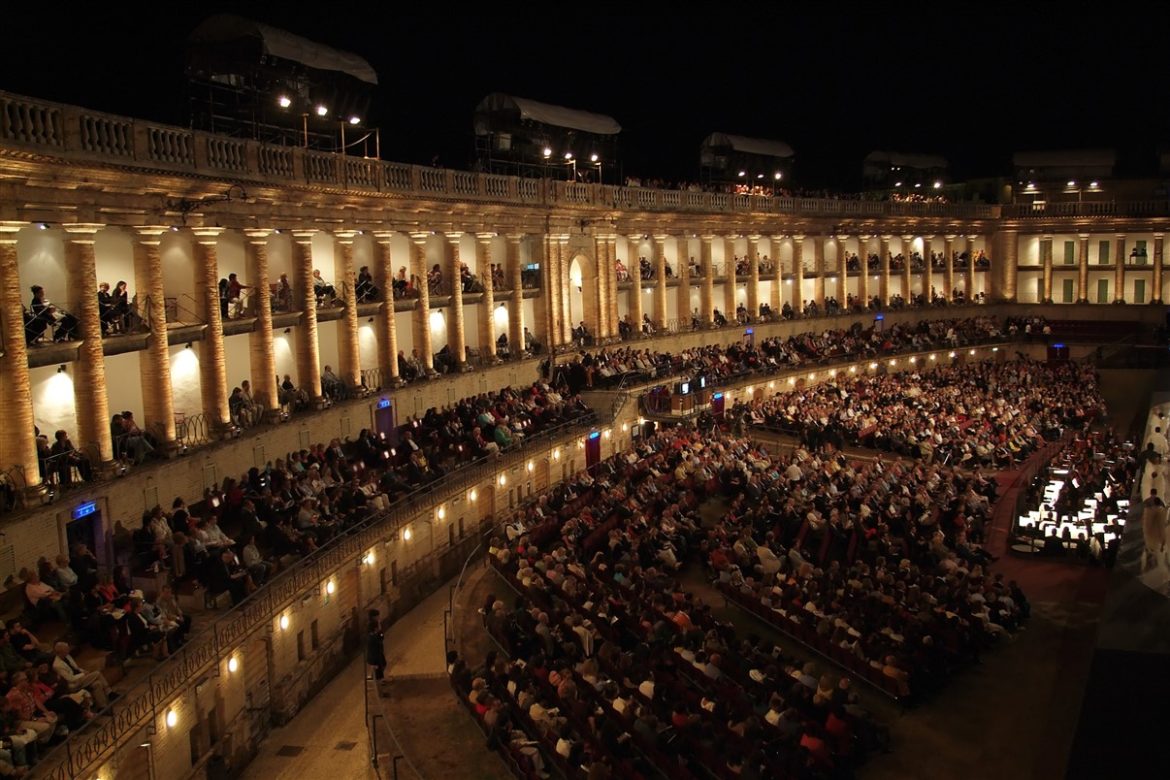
x=968, y=81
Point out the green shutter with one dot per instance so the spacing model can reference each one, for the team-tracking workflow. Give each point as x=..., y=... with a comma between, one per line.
x=1070, y=253
x=1139, y=291
x=1066, y=291
x=1103, y=253
x=1102, y=291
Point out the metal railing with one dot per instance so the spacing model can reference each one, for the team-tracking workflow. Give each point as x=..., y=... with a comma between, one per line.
x=85, y=748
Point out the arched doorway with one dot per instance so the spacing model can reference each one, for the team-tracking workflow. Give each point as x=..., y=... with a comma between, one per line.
x=582, y=292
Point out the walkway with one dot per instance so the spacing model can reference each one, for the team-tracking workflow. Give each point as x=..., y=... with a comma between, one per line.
x=328, y=738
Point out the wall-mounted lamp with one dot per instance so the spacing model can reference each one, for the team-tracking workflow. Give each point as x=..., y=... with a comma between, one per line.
x=287, y=331
x=61, y=369
x=188, y=345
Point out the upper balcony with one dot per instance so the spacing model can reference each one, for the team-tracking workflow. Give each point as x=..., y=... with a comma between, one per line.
x=37, y=126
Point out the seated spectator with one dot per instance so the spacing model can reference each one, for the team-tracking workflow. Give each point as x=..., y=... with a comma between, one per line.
x=325, y=292
x=77, y=678
x=67, y=458
x=365, y=289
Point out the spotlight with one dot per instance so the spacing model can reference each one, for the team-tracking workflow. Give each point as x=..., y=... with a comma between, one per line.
x=593, y=157
x=355, y=120
x=406, y=534
x=568, y=155
x=743, y=173
x=547, y=153
x=172, y=719
x=938, y=185
x=287, y=331
x=42, y=226
x=284, y=100
x=233, y=665
x=322, y=110
x=61, y=369
x=777, y=176
x=188, y=345
x=284, y=622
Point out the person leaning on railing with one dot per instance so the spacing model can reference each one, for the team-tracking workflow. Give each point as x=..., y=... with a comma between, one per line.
x=67, y=457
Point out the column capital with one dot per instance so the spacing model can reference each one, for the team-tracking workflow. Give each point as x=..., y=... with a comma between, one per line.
x=1156, y=235
x=82, y=232
x=777, y=236
x=950, y=237
x=661, y=237
x=1045, y=236
x=384, y=236
x=707, y=237
x=844, y=237
x=560, y=238
x=1085, y=236
x=258, y=235
x=453, y=235
x=344, y=236
x=485, y=237
x=885, y=239
x=798, y=239
x=515, y=238
x=635, y=236
x=1119, y=235
x=907, y=238
x=150, y=235
x=303, y=236
x=419, y=238
x=207, y=235
x=9, y=229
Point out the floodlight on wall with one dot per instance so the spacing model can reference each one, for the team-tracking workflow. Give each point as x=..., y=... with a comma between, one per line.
x=547, y=152
x=742, y=174
x=172, y=719
x=777, y=176
x=61, y=369
x=188, y=345
x=42, y=226
x=568, y=155
x=938, y=185
x=284, y=101
x=593, y=157
x=322, y=110
x=406, y=534
x=284, y=622
x=233, y=665
x=355, y=120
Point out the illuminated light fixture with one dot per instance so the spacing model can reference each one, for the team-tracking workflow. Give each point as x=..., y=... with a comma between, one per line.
x=284, y=100
x=812, y=376
x=743, y=173
x=897, y=184
x=61, y=369
x=547, y=153
x=322, y=110
x=355, y=120
x=625, y=427
x=441, y=513
x=568, y=155
x=188, y=345
x=771, y=385
x=873, y=365
x=406, y=534
x=368, y=559
x=175, y=229
x=557, y=454
x=952, y=354
x=917, y=184
x=913, y=360
x=893, y=362
x=608, y=433
x=833, y=372
x=284, y=622
x=593, y=157
x=791, y=380
x=172, y=719
x=503, y=480
x=531, y=467
x=777, y=176
x=972, y=352
x=852, y=369
x=1072, y=183
x=641, y=421
x=934, y=357
x=330, y=587
x=233, y=665
x=42, y=226
x=938, y=185
x=472, y=495
x=759, y=175
x=995, y=349
x=1093, y=185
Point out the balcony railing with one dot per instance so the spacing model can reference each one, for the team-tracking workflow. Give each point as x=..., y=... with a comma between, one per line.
x=1103, y=208
x=81, y=134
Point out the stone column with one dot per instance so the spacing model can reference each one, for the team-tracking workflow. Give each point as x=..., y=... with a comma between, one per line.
x=1046, y=262
x=601, y=257
x=305, y=336
x=777, y=275
x=91, y=397
x=753, y=288
x=970, y=273
x=1156, y=298
x=265, y=391
x=546, y=309
x=158, y=404
x=516, y=315
x=884, y=282
x=1082, y=268
x=928, y=248
x=949, y=267
x=842, y=272
x=1005, y=260
x=863, y=275
x=611, y=272
x=1119, y=270
x=422, y=312
x=563, y=282
x=487, y=304
x=798, y=276
x=388, y=338
x=552, y=290
x=907, y=251
x=348, y=351
x=729, y=285
x=819, y=270
x=683, y=301
x=707, y=290
x=212, y=361
x=18, y=446
x=658, y=248
x=456, y=329
x=635, y=268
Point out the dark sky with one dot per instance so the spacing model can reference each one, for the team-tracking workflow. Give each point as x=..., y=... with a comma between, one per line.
x=971, y=81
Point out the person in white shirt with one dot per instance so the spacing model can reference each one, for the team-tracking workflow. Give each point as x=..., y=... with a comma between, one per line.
x=77, y=678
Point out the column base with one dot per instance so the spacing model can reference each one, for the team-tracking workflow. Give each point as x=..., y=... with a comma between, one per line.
x=109, y=469
x=36, y=495
x=1117, y=301
x=397, y=382
x=1082, y=300
x=224, y=430
x=273, y=416
x=431, y=373
x=1155, y=301
x=465, y=368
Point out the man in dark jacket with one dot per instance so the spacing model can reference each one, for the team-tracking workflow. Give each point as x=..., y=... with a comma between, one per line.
x=375, y=647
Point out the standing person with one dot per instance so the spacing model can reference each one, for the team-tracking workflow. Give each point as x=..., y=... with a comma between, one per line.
x=1154, y=526
x=376, y=647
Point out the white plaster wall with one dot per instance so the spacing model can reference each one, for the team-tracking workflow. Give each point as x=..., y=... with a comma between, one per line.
x=282, y=348
x=322, y=245
x=178, y=267
x=530, y=315
x=438, y=325
x=623, y=304
x=185, y=380
x=471, y=330
x=327, y=344
x=368, y=343
x=1058, y=280
x=230, y=256
x=1095, y=278
x=1095, y=253
x=500, y=319
x=404, y=329
x=113, y=252
x=280, y=258
x=1029, y=251
x=671, y=302
x=54, y=405
x=237, y=360
x=124, y=385
x=40, y=256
